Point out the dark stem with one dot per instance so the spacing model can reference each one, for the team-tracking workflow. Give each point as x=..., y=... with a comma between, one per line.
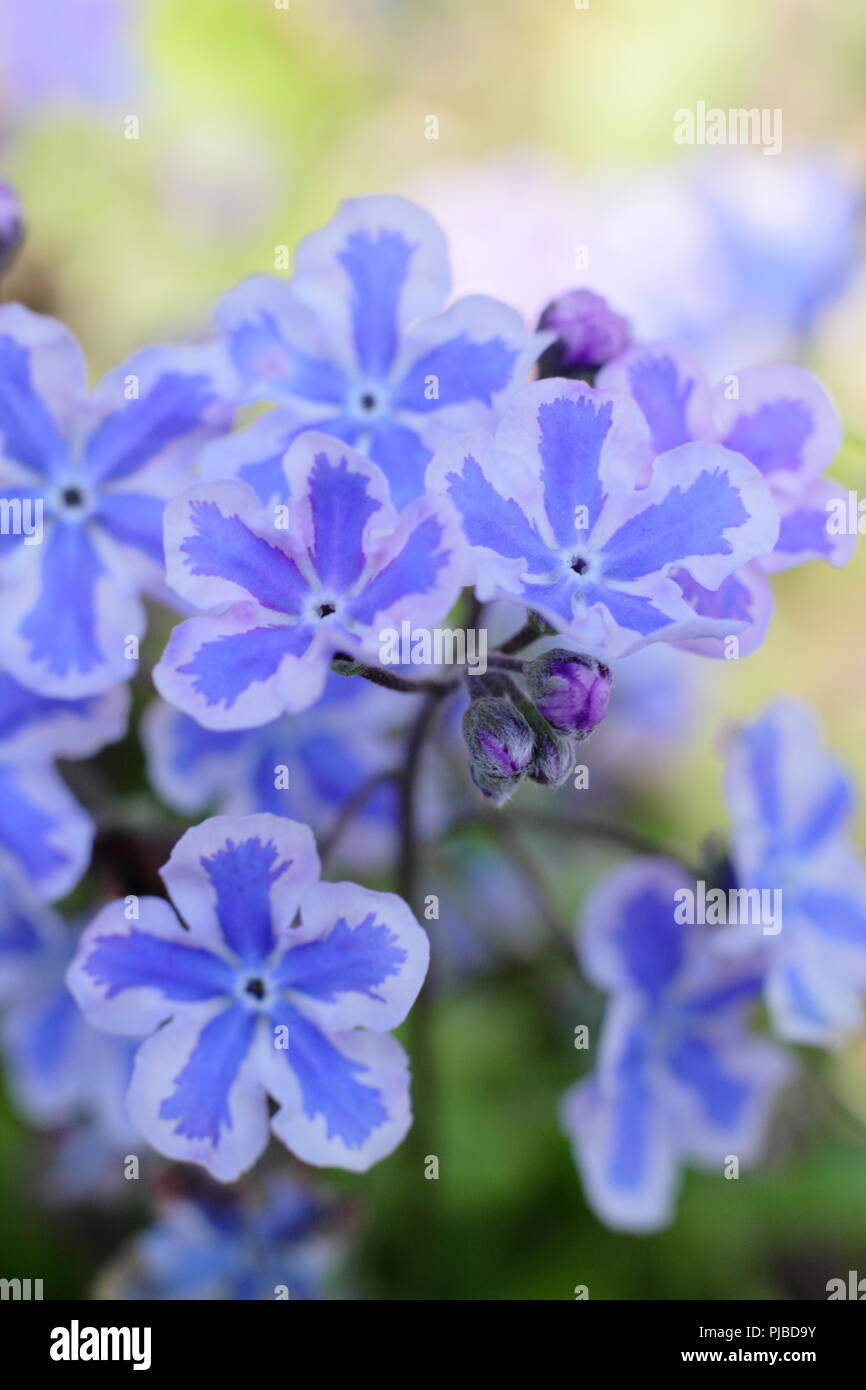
x=420, y=1018
x=505, y=663
x=345, y=665
x=534, y=627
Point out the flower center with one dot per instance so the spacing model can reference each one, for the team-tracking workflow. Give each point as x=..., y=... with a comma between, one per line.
x=579, y=564
x=325, y=610
x=72, y=497
x=256, y=988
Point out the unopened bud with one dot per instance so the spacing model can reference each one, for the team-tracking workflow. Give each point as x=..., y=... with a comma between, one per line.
x=500, y=744
x=570, y=690
x=588, y=334
x=552, y=759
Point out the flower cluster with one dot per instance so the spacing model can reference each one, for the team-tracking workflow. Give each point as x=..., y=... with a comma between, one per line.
x=406, y=473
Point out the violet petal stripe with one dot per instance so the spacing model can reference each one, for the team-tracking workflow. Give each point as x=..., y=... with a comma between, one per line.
x=224, y=547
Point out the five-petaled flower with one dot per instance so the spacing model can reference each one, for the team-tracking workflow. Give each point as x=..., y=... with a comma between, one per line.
x=278, y=986
x=347, y=347
x=560, y=518
x=679, y=1078
x=83, y=482
x=782, y=420
x=344, y=567
x=791, y=805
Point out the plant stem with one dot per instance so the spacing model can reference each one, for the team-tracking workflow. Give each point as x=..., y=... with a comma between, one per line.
x=418, y=1144
x=534, y=627
x=347, y=666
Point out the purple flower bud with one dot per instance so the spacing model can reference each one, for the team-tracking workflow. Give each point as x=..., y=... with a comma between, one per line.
x=552, y=760
x=11, y=225
x=571, y=691
x=588, y=334
x=500, y=744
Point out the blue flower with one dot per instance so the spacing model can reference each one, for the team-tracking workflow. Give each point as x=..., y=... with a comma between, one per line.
x=307, y=768
x=60, y=1071
x=227, y=1245
x=241, y=1003
x=83, y=484
x=42, y=828
x=678, y=1076
x=782, y=420
x=791, y=807
x=347, y=347
x=557, y=518
x=290, y=586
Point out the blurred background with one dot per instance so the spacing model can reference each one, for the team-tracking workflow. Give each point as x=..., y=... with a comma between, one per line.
x=162, y=152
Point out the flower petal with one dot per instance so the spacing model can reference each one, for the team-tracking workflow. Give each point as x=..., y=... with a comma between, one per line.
x=705, y=508
x=358, y=959
x=624, y=1144
x=194, y=1093
x=468, y=356
x=783, y=788
x=744, y=598
x=43, y=382
x=222, y=547
x=727, y=1085
x=278, y=349
x=181, y=401
x=338, y=498
x=629, y=939
x=783, y=421
x=669, y=385
x=67, y=616
x=238, y=670
x=41, y=727
x=130, y=974
x=414, y=574
x=190, y=767
x=43, y=828
x=344, y=1098
x=380, y=263
x=402, y=456
x=237, y=880
x=814, y=526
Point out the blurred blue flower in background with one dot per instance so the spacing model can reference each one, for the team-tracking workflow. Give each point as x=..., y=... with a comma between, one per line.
x=679, y=1077
x=791, y=807
x=42, y=828
x=60, y=1071
x=305, y=767
x=224, y=1244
